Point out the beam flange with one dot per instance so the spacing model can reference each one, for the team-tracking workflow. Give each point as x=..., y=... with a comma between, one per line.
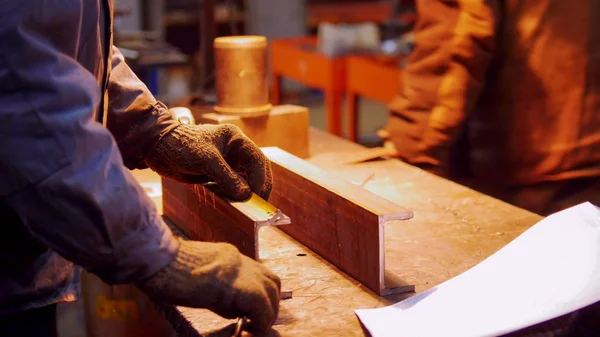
x=341, y=222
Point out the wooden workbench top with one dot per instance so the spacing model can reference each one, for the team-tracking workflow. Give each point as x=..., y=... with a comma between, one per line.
x=454, y=228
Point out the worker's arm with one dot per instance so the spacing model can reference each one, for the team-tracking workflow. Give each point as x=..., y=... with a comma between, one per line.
x=63, y=175
x=61, y=171
x=148, y=135
x=454, y=44
x=135, y=118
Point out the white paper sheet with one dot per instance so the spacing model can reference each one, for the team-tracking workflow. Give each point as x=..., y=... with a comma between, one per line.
x=548, y=271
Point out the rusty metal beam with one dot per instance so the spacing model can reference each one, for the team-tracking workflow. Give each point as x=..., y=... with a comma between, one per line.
x=341, y=222
x=202, y=215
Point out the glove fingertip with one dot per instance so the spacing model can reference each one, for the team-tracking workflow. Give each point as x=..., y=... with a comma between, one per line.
x=262, y=321
x=243, y=193
x=233, y=192
x=258, y=329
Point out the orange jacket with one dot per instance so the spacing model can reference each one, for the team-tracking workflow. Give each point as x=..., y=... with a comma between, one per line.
x=519, y=79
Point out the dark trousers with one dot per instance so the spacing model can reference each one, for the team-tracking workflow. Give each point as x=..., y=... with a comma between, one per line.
x=39, y=322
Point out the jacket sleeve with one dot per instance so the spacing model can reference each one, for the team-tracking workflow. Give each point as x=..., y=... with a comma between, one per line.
x=62, y=172
x=443, y=77
x=135, y=118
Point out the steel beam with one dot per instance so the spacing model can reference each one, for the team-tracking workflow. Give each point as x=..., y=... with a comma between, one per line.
x=341, y=222
x=201, y=215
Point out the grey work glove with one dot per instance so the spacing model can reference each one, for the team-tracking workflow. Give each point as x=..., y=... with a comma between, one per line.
x=217, y=277
x=222, y=154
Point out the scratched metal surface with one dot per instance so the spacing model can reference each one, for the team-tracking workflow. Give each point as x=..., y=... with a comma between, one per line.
x=454, y=228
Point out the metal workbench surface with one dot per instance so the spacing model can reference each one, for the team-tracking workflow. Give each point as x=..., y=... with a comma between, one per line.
x=454, y=228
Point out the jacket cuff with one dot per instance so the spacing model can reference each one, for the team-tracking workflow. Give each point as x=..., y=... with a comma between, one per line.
x=144, y=136
x=143, y=254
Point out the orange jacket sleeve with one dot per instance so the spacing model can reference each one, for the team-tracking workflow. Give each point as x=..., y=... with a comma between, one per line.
x=443, y=78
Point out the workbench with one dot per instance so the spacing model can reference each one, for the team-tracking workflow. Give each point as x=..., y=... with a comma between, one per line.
x=453, y=229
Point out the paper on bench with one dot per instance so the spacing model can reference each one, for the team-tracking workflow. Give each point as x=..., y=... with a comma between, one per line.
x=550, y=270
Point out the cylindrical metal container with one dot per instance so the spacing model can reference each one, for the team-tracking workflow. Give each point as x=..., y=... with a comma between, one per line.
x=241, y=75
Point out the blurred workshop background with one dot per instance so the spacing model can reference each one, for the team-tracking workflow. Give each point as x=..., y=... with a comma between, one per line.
x=317, y=50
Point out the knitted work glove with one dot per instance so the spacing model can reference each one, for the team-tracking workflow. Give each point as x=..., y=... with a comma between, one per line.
x=222, y=154
x=217, y=277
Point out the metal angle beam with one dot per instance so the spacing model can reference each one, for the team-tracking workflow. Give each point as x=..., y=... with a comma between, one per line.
x=341, y=222
x=201, y=215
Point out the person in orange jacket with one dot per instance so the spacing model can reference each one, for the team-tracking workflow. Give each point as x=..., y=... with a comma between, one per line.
x=505, y=96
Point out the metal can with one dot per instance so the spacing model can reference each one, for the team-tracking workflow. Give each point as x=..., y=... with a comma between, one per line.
x=241, y=75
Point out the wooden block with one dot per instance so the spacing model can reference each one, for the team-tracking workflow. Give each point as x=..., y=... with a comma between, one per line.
x=341, y=222
x=201, y=215
x=286, y=127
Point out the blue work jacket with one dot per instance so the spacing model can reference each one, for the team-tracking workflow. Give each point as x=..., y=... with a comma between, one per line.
x=67, y=197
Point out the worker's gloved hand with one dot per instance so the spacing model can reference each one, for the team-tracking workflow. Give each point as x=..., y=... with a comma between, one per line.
x=222, y=154
x=217, y=277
